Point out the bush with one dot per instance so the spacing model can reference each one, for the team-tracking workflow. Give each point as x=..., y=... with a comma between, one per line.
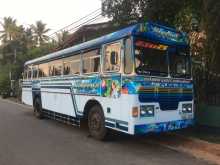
x=5, y=88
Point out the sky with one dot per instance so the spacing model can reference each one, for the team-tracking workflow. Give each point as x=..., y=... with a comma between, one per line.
x=55, y=13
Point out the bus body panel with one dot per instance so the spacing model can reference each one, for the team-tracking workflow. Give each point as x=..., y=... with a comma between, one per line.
x=69, y=97
x=58, y=100
x=26, y=95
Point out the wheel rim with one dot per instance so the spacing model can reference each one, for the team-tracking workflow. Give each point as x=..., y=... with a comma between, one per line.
x=95, y=122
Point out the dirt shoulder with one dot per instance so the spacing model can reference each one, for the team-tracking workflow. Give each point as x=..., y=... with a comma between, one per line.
x=198, y=148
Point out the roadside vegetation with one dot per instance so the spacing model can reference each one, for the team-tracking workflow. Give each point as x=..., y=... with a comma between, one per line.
x=19, y=44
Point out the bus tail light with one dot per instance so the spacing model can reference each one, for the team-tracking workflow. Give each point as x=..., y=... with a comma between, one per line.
x=135, y=112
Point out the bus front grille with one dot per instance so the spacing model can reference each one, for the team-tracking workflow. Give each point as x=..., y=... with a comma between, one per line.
x=167, y=99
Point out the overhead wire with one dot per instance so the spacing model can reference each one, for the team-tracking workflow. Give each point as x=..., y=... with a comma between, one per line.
x=85, y=20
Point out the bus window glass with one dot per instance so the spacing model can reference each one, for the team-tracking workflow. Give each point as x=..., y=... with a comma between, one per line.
x=112, y=57
x=128, y=64
x=180, y=64
x=43, y=70
x=91, y=61
x=56, y=68
x=29, y=72
x=25, y=73
x=150, y=58
x=71, y=65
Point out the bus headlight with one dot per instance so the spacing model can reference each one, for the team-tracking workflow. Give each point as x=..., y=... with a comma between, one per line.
x=187, y=108
x=146, y=110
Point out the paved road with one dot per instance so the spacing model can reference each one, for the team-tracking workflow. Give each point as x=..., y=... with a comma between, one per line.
x=25, y=140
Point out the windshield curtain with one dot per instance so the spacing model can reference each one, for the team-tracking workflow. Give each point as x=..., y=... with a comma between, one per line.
x=150, y=58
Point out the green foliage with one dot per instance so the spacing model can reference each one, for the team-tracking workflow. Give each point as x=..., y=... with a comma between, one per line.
x=122, y=11
x=18, y=45
x=10, y=29
x=4, y=79
x=40, y=31
x=128, y=11
x=211, y=25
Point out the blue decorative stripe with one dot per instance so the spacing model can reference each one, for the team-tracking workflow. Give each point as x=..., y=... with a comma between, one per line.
x=163, y=127
x=112, y=125
x=55, y=87
x=116, y=125
x=57, y=84
x=74, y=102
x=26, y=86
x=117, y=121
x=36, y=89
x=121, y=127
x=61, y=117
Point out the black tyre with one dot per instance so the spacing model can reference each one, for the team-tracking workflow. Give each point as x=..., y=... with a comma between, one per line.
x=96, y=123
x=38, y=108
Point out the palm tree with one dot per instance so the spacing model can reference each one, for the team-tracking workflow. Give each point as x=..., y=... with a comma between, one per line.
x=40, y=31
x=10, y=29
x=29, y=38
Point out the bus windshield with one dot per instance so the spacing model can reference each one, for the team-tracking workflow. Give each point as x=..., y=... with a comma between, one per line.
x=150, y=58
x=180, y=64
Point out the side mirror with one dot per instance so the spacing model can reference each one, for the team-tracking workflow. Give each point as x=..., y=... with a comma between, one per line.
x=114, y=58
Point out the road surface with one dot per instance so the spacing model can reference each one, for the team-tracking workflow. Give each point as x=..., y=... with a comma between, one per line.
x=25, y=140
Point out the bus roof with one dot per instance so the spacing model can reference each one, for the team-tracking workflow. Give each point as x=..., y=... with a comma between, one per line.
x=151, y=31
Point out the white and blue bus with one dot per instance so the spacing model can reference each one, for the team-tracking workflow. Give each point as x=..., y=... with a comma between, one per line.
x=136, y=80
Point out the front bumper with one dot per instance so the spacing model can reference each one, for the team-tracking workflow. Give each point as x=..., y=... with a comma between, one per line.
x=163, y=127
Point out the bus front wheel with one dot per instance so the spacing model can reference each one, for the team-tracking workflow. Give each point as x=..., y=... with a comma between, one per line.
x=96, y=123
x=38, y=108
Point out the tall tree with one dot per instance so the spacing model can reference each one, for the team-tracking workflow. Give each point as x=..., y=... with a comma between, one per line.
x=128, y=11
x=40, y=32
x=122, y=11
x=9, y=29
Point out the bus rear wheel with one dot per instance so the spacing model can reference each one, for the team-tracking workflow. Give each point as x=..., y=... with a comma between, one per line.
x=38, y=109
x=96, y=123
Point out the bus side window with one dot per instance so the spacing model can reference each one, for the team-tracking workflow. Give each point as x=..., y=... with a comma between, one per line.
x=25, y=74
x=112, y=57
x=43, y=70
x=35, y=71
x=71, y=65
x=29, y=74
x=128, y=64
x=56, y=68
x=91, y=61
